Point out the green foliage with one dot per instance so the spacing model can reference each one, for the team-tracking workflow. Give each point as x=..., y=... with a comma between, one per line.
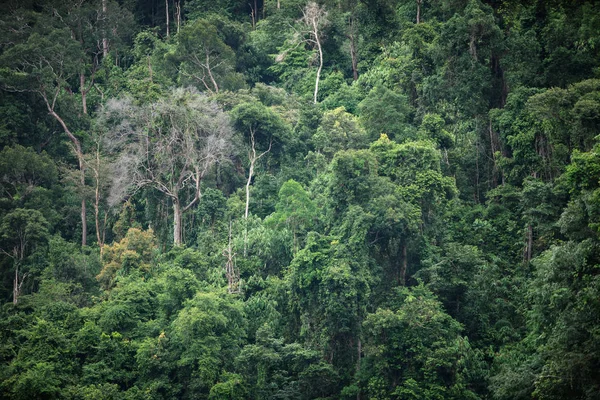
x=428, y=230
x=132, y=254
x=384, y=111
x=414, y=350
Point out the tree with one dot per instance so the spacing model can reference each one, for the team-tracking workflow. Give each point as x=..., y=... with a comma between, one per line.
x=169, y=145
x=45, y=63
x=263, y=126
x=294, y=209
x=206, y=59
x=414, y=350
x=134, y=252
x=21, y=231
x=314, y=19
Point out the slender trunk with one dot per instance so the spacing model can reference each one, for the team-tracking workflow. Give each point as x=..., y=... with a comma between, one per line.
x=250, y=174
x=99, y=231
x=178, y=14
x=529, y=243
x=167, y=15
x=419, y=11
x=104, y=39
x=320, y=65
x=83, y=214
x=83, y=91
x=278, y=4
x=177, y=239
x=16, y=284
x=210, y=75
x=79, y=153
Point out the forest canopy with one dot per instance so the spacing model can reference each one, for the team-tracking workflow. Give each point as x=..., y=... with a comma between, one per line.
x=290, y=199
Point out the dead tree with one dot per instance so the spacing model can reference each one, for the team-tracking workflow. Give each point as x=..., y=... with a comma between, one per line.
x=169, y=145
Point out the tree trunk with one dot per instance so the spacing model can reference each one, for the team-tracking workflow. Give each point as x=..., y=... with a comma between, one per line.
x=104, y=39
x=177, y=237
x=99, y=231
x=178, y=14
x=79, y=153
x=528, y=250
x=210, y=75
x=250, y=174
x=419, y=11
x=16, y=284
x=167, y=15
x=320, y=65
x=83, y=92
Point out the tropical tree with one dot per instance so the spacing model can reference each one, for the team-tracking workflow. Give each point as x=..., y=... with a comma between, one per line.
x=170, y=145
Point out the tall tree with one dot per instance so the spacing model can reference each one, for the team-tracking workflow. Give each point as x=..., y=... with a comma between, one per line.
x=314, y=19
x=169, y=145
x=21, y=231
x=261, y=126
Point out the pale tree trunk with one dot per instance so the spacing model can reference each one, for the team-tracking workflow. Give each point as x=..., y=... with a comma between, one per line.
x=83, y=207
x=419, y=11
x=178, y=210
x=253, y=157
x=18, y=254
x=250, y=174
x=178, y=14
x=16, y=285
x=104, y=39
x=210, y=75
x=315, y=18
x=177, y=236
x=100, y=228
x=83, y=91
x=167, y=15
x=320, y=65
x=80, y=158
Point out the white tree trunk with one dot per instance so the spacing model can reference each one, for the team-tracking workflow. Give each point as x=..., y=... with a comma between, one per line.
x=177, y=236
x=104, y=39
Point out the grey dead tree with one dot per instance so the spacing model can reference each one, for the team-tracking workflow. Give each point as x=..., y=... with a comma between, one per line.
x=169, y=145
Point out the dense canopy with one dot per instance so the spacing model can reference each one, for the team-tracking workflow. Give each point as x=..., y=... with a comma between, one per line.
x=290, y=199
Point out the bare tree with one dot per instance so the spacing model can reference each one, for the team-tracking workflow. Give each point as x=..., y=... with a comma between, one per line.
x=314, y=19
x=169, y=145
